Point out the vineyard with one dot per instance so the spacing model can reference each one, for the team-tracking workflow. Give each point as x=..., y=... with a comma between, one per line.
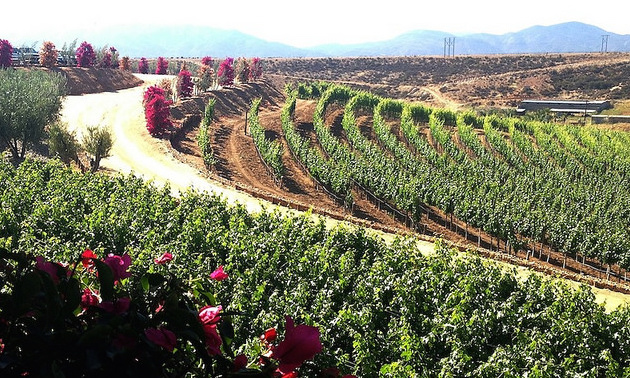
x=542, y=192
x=382, y=309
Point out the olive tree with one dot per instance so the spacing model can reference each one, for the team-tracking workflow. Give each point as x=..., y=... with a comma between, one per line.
x=31, y=100
x=63, y=143
x=97, y=142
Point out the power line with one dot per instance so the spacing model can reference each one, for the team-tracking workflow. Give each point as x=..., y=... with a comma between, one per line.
x=449, y=46
x=604, y=48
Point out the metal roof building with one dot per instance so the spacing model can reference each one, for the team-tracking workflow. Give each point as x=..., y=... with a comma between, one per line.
x=564, y=106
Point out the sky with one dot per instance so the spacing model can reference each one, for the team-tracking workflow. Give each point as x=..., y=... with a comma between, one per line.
x=305, y=23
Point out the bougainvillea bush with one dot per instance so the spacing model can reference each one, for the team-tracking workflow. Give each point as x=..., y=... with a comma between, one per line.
x=161, y=67
x=6, y=50
x=85, y=55
x=94, y=317
x=184, y=84
x=48, y=54
x=255, y=69
x=225, y=73
x=143, y=66
x=156, y=110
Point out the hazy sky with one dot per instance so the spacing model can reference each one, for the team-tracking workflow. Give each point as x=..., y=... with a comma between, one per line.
x=307, y=23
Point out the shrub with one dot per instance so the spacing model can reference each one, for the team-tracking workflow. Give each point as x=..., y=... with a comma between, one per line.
x=255, y=69
x=125, y=64
x=98, y=143
x=242, y=70
x=184, y=84
x=48, y=54
x=156, y=110
x=162, y=66
x=143, y=66
x=225, y=74
x=6, y=50
x=85, y=55
x=63, y=144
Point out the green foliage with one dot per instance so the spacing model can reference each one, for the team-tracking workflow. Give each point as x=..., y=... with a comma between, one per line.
x=31, y=100
x=203, y=138
x=381, y=308
x=63, y=143
x=98, y=143
x=270, y=151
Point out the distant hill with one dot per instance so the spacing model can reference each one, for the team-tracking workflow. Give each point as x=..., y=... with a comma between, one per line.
x=560, y=38
x=198, y=41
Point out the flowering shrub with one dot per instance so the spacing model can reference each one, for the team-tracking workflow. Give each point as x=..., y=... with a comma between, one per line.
x=242, y=70
x=184, y=84
x=225, y=73
x=162, y=66
x=85, y=55
x=48, y=54
x=125, y=64
x=156, y=110
x=143, y=66
x=5, y=53
x=255, y=69
x=98, y=317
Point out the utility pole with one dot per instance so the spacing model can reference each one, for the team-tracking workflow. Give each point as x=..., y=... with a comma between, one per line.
x=604, y=48
x=449, y=47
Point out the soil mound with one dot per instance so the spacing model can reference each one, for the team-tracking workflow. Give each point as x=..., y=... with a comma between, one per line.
x=83, y=80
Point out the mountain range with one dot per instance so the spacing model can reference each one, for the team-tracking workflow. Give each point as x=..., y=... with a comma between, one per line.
x=198, y=41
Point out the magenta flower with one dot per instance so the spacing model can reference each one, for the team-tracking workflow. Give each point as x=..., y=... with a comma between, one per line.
x=300, y=343
x=162, y=337
x=166, y=257
x=49, y=267
x=119, y=265
x=219, y=274
x=89, y=298
x=209, y=315
x=240, y=362
x=213, y=340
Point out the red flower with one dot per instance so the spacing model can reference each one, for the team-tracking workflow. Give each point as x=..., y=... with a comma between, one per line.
x=240, y=362
x=210, y=315
x=166, y=257
x=269, y=335
x=86, y=258
x=162, y=337
x=49, y=267
x=291, y=374
x=119, y=265
x=219, y=274
x=89, y=298
x=300, y=343
x=213, y=340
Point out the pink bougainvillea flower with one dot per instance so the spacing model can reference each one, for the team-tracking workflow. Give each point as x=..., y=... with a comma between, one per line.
x=162, y=337
x=89, y=298
x=300, y=343
x=219, y=274
x=86, y=258
x=166, y=257
x=209, y=315
x=116, y=307
x=48, y=267
x=119, y=265
x=213, y=340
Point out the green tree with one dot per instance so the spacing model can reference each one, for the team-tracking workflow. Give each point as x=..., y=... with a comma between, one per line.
x=32, y=101
x=97, y=142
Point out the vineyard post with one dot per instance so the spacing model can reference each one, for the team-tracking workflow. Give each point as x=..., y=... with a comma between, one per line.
x=245, y=122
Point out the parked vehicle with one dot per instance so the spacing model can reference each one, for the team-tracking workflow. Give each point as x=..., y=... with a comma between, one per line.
x=23, y=56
